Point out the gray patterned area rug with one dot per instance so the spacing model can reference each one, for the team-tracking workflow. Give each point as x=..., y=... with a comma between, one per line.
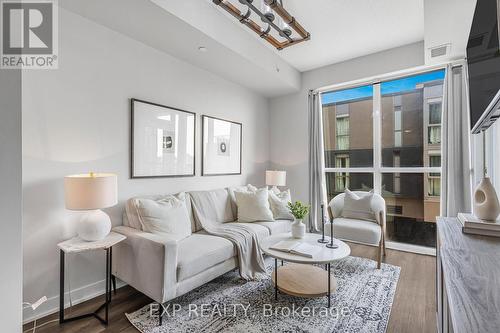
x=362, y=303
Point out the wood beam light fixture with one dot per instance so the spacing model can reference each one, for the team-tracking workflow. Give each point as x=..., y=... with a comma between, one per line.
x=279, y=28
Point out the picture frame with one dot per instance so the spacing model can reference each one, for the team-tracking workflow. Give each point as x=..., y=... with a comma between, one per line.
x=163, y=141
x=222, y=142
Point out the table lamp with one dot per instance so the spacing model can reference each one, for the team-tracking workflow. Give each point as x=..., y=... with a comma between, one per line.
x=91, y=192
x=275, y=178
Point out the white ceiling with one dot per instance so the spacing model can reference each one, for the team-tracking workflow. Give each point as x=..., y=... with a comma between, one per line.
x=340, y=30
x=231, y=53
x=346, y=29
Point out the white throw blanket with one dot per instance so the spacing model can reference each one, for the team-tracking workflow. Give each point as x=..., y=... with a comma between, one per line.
x=244, y=238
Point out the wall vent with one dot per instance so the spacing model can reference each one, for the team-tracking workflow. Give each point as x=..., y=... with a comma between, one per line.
x=439, y=51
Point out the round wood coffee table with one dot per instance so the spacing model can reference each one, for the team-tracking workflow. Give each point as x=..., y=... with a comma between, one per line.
x=303, y=277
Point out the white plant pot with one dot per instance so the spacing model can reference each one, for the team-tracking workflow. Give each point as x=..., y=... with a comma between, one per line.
x=298, y=229
x=486, y=205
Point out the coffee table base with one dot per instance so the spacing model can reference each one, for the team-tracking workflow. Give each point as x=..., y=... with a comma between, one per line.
x=304, y=280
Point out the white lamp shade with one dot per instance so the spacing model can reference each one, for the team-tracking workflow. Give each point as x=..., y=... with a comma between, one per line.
x=90, y=191
x=275, y=178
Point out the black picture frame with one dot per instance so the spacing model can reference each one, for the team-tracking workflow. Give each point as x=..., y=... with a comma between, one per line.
x=132, y=137
x=203, y=169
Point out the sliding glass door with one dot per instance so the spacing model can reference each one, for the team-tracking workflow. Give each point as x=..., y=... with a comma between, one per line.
x=387, y=137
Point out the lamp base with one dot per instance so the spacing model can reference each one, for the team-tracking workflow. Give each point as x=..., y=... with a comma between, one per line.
x=94, y=225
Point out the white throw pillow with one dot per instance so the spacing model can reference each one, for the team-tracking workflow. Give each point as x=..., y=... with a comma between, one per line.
x=232, y=190
x=253, y=206
x=358, y=207
x=279, y=204
x=166, y=215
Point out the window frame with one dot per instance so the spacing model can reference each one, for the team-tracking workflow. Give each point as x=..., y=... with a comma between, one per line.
x=427, y=119
x=343, y=135
x=377, y=170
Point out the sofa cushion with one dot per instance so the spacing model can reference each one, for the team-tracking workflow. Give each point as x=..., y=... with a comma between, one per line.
x=277, y=226
x=201, y=251
x=253, y=206
x=215, y=205
x=355, y=230
x=260, y=230
x=167, y=215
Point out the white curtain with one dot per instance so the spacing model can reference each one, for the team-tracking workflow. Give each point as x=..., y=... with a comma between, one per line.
x=317, y=183
x=456, y=194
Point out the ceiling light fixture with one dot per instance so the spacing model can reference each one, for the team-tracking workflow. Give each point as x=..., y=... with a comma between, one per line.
x=202, y=49
x=274, y=17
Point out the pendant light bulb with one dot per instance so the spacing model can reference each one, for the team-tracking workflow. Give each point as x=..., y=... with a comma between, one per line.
x=285, y=28
x=267, y=12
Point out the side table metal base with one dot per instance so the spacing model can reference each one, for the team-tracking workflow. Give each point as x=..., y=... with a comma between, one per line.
x=105, y=305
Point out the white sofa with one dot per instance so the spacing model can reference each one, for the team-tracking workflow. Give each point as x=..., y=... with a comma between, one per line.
x=164, y=268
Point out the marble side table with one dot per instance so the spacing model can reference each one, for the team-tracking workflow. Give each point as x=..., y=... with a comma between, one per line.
x=78, y=245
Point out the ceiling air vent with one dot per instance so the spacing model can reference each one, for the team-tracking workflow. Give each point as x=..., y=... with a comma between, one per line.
x=439, y=51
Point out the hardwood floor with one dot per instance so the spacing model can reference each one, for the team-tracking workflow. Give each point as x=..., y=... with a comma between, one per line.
x=413, y=309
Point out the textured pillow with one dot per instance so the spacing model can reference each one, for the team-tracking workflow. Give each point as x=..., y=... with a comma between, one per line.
x=232, y=190
x=166, y=215
x=358, y=207
x=253, y=206
x=278, y=202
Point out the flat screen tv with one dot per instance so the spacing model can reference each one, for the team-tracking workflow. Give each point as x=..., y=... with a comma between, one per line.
x=483, y=58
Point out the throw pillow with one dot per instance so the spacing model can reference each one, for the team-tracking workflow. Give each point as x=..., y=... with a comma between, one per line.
x=358, y=207
x=253, y=206
x=232, y=190
x=278, y=202
x=166, y=215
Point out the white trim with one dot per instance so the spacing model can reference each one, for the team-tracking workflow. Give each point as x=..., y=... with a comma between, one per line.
x=353, y=170
x=377, y=138
x=78, y=295
x=419, y=249
x=387, y=170
x=403, y=247
x=389, y=76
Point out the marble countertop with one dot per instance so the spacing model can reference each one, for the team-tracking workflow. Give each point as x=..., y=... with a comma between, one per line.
x=77, y=244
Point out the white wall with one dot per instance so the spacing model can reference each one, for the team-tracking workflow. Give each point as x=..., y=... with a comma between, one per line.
x=77, y=118
x=11, y=255
x=289, y=119
x=447, y=22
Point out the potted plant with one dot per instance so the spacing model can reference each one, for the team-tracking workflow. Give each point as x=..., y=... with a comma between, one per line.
x=299, y=210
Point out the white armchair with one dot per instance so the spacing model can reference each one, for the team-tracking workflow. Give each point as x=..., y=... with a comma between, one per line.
x=360, y=231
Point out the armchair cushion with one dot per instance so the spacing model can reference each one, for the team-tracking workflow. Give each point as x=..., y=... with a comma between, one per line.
x=358, y=206
x=355, y=230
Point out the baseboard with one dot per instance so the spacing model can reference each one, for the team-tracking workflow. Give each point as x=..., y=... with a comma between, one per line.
x=78, y=296
x=404, y=247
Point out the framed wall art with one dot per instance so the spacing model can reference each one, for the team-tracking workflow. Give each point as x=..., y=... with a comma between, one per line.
x=221, y=147
x=163, y=141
